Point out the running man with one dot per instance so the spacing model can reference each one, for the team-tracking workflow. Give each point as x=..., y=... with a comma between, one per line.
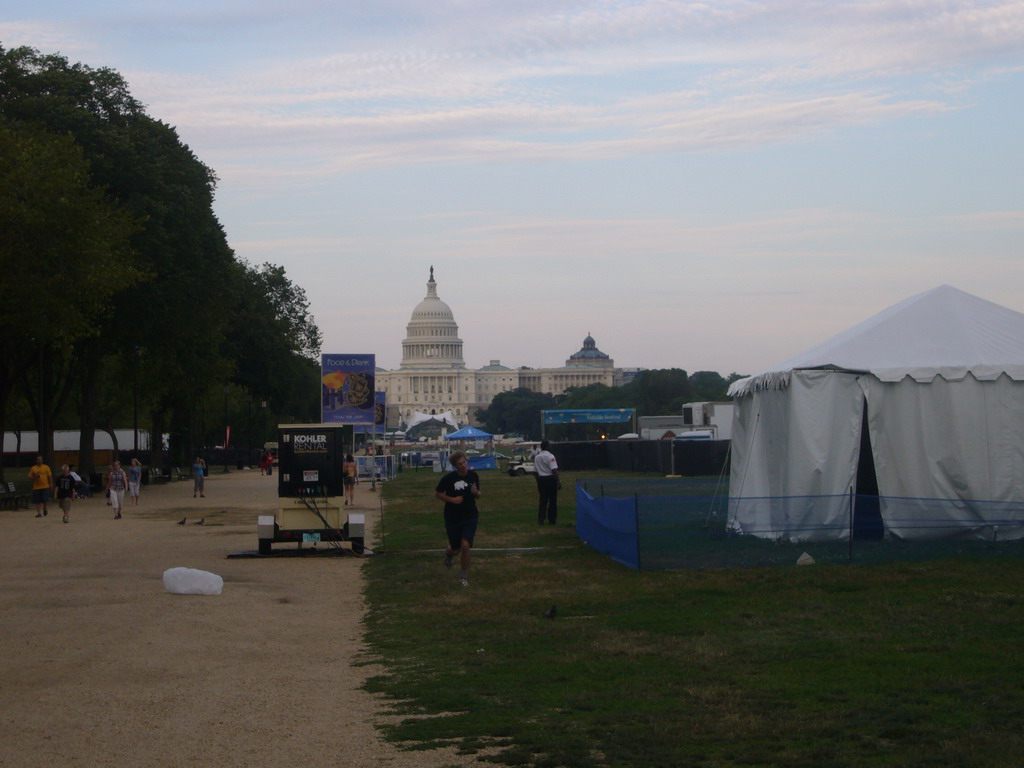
x=459, y=491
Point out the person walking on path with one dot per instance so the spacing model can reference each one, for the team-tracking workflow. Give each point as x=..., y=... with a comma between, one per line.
x=548, y=484
x=82, y=489
x=67, y=490
x=134, y=481
x=459, y=491
x=42, y=486
x=199, y=477
x=350, y=475
x=117, y=484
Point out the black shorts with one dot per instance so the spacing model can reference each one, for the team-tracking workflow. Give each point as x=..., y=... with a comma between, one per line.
x=40, y=495
x=460, y=527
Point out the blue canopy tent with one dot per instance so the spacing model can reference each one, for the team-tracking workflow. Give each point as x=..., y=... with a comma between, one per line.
x=472, y=433
x=469, y=433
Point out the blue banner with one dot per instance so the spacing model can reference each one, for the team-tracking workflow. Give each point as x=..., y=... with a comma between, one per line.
x=589, y=416
x=347, y=389
x=379, y=414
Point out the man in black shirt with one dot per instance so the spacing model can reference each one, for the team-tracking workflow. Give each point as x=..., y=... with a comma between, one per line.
x=459, y=491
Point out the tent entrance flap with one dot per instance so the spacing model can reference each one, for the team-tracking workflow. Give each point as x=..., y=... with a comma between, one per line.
x=867, y=512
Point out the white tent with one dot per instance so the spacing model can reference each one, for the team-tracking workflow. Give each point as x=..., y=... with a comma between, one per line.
x=938, y=381
x=421, y=418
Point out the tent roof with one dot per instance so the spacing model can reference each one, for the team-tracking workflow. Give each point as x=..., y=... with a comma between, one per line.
x=942, y=332
x=469, y=433
x=419, y=418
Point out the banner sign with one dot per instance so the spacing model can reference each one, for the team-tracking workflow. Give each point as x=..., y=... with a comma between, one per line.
x=589, y=416
x=347, y=389
x=379, y=414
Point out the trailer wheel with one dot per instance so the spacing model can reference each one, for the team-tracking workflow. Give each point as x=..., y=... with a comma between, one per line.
x=265, y=546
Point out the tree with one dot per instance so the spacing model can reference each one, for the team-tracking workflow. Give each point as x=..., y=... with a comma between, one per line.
x=516, y=411
x=660, y=391
x=270, y=326
x=168, y=330
x=62, y=238
x=594, y=396
x=708, y=386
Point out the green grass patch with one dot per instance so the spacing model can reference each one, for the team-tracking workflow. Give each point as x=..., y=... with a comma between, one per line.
x=830, y=665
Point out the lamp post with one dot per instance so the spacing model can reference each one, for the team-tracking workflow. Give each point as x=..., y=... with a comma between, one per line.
x=263, y=419
x=135, y=399
x=225, y=429
x=248, y=428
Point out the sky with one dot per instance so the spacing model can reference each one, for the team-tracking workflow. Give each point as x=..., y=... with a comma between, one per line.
x=710, y=186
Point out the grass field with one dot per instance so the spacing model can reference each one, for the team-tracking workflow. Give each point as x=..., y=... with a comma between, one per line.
x=908, y=664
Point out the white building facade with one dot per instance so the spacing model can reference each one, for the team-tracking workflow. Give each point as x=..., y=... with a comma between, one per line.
x=433, y=378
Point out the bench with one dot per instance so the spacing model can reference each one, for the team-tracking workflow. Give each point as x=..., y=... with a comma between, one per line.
x=10, y=498
x=157, y=476
x=182, y=474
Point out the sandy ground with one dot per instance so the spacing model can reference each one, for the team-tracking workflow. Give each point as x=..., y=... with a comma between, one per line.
x=103, y=667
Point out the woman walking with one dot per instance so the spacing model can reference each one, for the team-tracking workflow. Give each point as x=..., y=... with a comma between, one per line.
x=199, y=477
x=117, y=484
x=350, y=474
x=134, y=481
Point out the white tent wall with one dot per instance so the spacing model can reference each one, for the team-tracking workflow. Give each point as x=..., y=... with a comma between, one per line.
x=956, y=440
x=789, y=445
x=944, y=452
x=942, y=376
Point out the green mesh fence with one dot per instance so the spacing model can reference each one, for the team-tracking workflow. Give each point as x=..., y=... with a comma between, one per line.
x=683, y=523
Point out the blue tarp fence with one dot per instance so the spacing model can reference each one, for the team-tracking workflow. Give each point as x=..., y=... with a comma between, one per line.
x=481, y=462
x=650, y=525
x=609, y=526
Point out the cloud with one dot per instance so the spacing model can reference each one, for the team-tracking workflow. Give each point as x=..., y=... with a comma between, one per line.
x=522, y=82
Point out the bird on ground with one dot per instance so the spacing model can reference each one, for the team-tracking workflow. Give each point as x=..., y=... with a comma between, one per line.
x=550, y=613
x=201, y=521
x=182, y=521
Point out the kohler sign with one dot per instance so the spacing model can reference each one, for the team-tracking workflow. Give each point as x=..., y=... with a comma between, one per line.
x=311, y=442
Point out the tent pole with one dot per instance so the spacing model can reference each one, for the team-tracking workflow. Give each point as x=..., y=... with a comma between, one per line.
x=850, y=554
x=636, y=519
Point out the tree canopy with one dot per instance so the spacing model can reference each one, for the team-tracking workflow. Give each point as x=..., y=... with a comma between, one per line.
x=119, y=271
x=516, y=411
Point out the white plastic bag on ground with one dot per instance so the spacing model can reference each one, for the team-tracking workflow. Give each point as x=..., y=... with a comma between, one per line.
x=189, y=581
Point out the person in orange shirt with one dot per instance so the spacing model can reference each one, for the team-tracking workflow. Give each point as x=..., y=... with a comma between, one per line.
x=42, y=486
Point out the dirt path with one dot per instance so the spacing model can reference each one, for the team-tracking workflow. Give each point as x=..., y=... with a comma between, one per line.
x=103, y=667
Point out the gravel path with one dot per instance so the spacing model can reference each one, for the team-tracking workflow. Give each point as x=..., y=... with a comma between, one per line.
x=103, y=667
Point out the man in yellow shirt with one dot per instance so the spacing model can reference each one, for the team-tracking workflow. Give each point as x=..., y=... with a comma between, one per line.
x=42, y=486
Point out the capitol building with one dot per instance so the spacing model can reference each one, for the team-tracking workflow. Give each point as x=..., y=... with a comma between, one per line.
x=433, y=382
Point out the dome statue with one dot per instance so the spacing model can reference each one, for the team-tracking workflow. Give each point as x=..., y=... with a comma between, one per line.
x=589, y=356
x=432, y=335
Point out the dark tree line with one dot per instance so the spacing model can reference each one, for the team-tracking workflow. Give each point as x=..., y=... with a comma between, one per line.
x=651, y=393
x=121, y=294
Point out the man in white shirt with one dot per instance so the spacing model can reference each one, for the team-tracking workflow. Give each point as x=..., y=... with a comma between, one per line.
x=548, y=484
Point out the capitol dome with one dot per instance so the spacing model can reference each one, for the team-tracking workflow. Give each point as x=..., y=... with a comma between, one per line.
x=432, y=335
x=589, y=356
